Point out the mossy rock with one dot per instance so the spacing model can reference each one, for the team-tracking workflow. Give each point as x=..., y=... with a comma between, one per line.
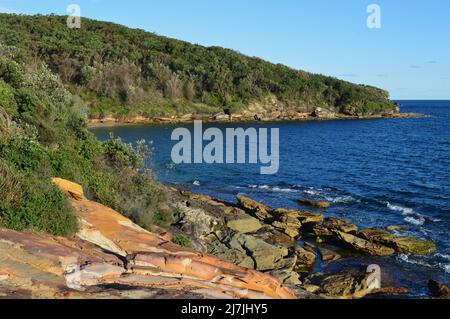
x=414, y=246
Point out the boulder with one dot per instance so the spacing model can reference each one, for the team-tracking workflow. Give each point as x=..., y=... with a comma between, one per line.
x=302, y=215
x=414, y=246
x=364, y=246
x=290, y=221
x=328, y=254
x=71, y=189
x=305, y=257
x=289, y=225
x=439, y=290
x=321, y=112
x=314, y=203
x=292, y=232
x=198, y=222
x=346, y=285
x=406, y=245
x=332, y=224
x=265, y=256
x=222, y=117
x=259, y=210
x=286, y=277
x=377, y=235
x=245, y=224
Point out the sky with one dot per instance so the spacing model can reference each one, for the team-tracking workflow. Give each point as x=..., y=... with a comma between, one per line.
x=409, y=55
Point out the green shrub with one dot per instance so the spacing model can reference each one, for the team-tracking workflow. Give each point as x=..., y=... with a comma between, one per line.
x=24, y=154
x=44, y=209
x=11, y=192
x=120, y=154
x=182, y=241
x=7, y=99
x=11, y=72
x=101, y=188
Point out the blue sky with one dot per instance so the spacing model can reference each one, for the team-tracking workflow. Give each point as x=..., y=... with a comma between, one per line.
x=409, y=56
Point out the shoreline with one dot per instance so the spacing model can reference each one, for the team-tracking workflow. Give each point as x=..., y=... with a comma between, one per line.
x=140, y=120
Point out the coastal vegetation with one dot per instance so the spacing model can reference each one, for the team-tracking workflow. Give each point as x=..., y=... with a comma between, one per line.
x=123, y=72
x=44, y=134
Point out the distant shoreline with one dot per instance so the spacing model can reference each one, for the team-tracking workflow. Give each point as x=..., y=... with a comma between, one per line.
x=140, y=120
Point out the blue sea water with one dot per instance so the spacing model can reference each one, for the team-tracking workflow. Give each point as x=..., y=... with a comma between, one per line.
x=376, y=173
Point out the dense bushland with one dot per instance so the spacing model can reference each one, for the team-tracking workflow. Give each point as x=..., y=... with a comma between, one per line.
x=42, y=135
x=121, y=72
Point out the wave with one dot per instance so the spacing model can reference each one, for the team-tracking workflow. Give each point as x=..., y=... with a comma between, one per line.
x=273, y=188
x=420, y=262
x=342, y=199
x=418, y=221
x=404, y=210
x=411, y=216
x=196, y=183
x=312, y=192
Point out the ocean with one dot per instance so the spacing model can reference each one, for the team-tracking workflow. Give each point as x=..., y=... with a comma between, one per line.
x=375, y=173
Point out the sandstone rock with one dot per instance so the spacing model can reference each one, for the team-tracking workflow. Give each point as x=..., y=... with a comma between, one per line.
x=286, y=277
x=259, y=210
x=406, y=245
x=289, y=225
x=198, y=222
x=73, y=190
x=236, y=257
x=313, y=203
x=222, y=117
x=397, y=228
x=292, y=232
x=414, y=246
x=286, y=221
x=346, y=285
x=305, y=257
x=78, y=276
x=311, y=288
x=265, y=256
x=303, y=216
x=117, y=234
x=321, y=112
x=245, y=224
x=439, y=290
x=290, y=221
x=377, y=235
x=364, y=246
x=332, y=224
x=329, y=255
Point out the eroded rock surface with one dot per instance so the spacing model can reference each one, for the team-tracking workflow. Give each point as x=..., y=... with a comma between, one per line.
x=112, y=250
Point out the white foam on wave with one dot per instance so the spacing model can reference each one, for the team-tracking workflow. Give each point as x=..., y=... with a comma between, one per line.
x=411, y=216
x=312, y=192
x=404, y=210
x=283, y=190
x=341, y=199
x=445, y=267
x=443, y=256
x=420, y=262
x=273, y=189
x=259, y=186
x=415, y=220
x=196, y=183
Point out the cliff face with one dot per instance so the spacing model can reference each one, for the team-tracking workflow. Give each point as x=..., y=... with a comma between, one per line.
x=111, y=250
x=123, y=72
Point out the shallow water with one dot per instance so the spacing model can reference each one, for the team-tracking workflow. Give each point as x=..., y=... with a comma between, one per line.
x=374, y=172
